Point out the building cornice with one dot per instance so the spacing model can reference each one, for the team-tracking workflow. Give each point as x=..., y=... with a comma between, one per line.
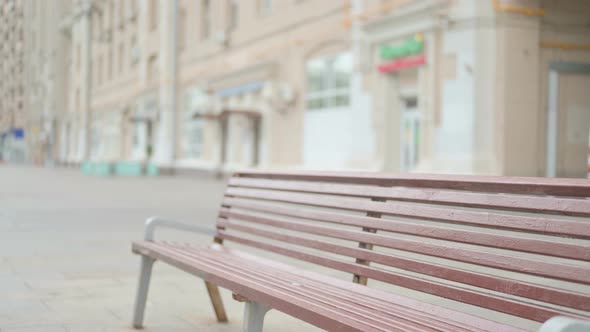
x=258, y=72
x=414, y=17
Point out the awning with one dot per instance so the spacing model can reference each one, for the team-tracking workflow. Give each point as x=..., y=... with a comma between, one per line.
x=240, y=89
x=226, y=113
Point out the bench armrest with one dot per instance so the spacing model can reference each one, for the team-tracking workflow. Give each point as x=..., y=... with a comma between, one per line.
x=154, y=222
x=565, y=324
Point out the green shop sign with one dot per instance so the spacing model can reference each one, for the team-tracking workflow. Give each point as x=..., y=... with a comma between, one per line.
x=410, y=46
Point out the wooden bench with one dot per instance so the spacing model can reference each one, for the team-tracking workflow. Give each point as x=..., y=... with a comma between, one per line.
x=442, y=252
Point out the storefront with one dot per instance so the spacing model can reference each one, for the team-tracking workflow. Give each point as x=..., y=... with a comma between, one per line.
x=431, y=109
x=568, y=120
x=401, y=64
x=12, y=145
x=198, y=132
x=328, y=119
x=226, y=119
x=106, y=136
x=142, y=124
x=402, y=70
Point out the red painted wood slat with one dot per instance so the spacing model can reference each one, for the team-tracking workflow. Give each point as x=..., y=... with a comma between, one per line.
x=491, y=282
x=522, y=309
x=536, y=204
x=489, y=184
x=522, y=244
x=518, y=264
x=484, y=219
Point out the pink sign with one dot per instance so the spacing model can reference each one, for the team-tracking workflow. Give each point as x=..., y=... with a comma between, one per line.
x=402, y=63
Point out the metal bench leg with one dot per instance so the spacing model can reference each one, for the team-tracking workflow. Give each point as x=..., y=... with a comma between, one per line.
x=254, y=316
x=145, y=274
x=565, y=324
x=216, y=301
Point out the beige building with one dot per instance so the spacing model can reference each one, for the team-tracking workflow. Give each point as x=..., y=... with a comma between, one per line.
x=496, y=87
x=46, y=57
x=12, y=84
x=204, y=85
x=462, y=86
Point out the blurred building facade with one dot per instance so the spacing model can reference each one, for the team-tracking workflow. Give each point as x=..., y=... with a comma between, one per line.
x=472, y=94
x=462, y=86
x=12, y=82
x=46, y=55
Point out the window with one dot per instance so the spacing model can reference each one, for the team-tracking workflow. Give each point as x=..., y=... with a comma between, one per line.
x=112, y=17
x=131, y=9
x=193, y=131
x=328, y=82
x=99, y=28
x=77, y=101
x=153, y=68
x=233, y=14
x=110, y=64
x=133, y=56
x=153, y=14
x=78, y=57
x=121, y=57
x=265, y=7
x=121, y=12
x=99, y=76
x=181, y=29
x=411, y=133
x=205, y=19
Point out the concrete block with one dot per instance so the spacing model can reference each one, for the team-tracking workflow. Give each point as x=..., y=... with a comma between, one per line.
x=128, y=168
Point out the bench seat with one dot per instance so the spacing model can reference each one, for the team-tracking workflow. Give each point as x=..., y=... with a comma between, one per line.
x=515, y=252
x=337, y=305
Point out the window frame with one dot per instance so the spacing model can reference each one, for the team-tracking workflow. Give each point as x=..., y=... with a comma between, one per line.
x=205, y=27
x=233, y=7
x=265, y=7
x=191, y=149
x=329, y=90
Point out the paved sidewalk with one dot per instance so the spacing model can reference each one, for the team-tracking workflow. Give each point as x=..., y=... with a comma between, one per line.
x=65, y=260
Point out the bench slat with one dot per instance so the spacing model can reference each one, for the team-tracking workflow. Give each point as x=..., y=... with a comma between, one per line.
x=395, y=317
x=284, y=301
x=518, y=264
x=499, y=284
x=553, y=205
x=565, y=250
x=488, y=184
x=377, y=296
x=392, y=303
x=495, y=220
x=312, y=216
x=497, y=303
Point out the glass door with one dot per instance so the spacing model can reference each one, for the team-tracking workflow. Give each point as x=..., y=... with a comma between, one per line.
x=411, y=133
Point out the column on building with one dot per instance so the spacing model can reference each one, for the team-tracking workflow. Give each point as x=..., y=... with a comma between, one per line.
x=549, y=46
x=165, y=145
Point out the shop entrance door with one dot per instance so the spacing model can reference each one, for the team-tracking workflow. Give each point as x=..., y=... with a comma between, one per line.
x=568, y=125
x=410, y=131
x=142, y=140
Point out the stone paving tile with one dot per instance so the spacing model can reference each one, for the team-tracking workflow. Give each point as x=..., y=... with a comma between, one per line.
x=66, y=261
x=73, y=283
x=44, y=328
x=23, y=313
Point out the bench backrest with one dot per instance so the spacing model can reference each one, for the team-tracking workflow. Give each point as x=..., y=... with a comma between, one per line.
x=515, y=245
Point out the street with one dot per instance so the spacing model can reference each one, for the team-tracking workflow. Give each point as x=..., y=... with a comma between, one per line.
x=65, y=258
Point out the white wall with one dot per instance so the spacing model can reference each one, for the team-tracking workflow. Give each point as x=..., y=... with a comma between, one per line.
x=454, y=139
